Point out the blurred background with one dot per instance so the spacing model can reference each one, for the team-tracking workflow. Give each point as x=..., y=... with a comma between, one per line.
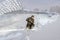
x=13, y=14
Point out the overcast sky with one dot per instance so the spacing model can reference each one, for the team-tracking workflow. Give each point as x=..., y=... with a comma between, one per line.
x=41, y=4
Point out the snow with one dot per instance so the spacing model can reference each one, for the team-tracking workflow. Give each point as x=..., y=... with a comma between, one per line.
x=13, y=35
x=10, y=23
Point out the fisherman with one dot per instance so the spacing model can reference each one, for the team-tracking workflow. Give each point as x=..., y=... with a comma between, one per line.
x=30, y=22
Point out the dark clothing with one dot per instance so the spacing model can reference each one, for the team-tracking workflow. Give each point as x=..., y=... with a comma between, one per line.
x=30, y=22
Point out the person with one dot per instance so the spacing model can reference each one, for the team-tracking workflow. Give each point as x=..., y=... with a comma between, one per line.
x=30, y=22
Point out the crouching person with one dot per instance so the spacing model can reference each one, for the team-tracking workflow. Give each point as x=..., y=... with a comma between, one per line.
x=30, y=22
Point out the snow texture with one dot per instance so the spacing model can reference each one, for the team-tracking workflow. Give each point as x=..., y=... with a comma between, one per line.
x=17, y=20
